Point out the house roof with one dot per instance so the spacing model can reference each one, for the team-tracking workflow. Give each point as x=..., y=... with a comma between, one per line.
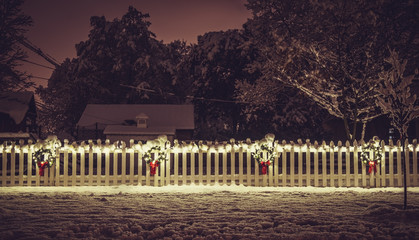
x=160, y=115
x=133, y=130
x=15, y=104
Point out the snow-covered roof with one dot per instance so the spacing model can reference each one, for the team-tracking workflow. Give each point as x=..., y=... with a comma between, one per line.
x=160, y=115
x=15, y=104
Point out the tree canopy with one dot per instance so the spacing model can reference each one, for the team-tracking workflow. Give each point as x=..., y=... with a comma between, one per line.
x=13, y=26
x=333, y=51
x=121, y=62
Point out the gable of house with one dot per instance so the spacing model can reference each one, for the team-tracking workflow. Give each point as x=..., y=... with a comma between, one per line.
x=17, y=112
x=122, y=119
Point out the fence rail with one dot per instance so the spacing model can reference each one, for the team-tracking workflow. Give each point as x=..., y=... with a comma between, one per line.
x=212, y=163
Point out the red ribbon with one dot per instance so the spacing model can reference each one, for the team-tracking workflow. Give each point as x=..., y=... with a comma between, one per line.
x=153, y=166
x=42, y=166
x=265, y=166
x=373, y=166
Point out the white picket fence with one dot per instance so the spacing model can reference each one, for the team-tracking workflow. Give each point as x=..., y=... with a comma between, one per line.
x=209, y=163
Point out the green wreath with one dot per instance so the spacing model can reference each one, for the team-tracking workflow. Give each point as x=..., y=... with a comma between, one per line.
x=264, y=148
x=46, y=155
x=377, y=152
x=160, y=155
x=264, y=162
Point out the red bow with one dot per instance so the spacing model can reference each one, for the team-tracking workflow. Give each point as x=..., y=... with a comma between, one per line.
x=42, y=166
x=373, y=166
x=265, y=166
x=153, y=166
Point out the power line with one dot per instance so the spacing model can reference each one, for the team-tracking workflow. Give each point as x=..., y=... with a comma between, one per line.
x=37, y=64
x=38, y=51
x=30, y=76
x=189, y=97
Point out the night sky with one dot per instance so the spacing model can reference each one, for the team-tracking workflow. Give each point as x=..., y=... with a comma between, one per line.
x=60, y=24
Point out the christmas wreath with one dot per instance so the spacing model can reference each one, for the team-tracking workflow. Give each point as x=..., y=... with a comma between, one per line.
x=159, y=156
x=264, y=162
x=372, y=146
x=45, y=155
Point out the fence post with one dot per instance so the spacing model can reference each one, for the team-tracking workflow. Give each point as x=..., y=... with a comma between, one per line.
x=348, y=164
x=340, y=164
x=233, y=162
x=124, y=163
x=140, y=163
x=90, y=180
x=13, y=164
x=415, y=162
x=65, y=163
x=332, y=164
x=131, y=161
x=107, y=162
x=224, y=153
x=30, y=162
x=21, y=158
x=383, y=165
x=399, y=165
x=407, y=160
x=241, y=163
x=184, y=163
x=356, y=164
x=300, y=163
x=308, y=163
x=316, y=164
x=391, y=163
x=324, y=165
x=292, y=165
x=284, y=164
x=248, y=163
x=193, y=164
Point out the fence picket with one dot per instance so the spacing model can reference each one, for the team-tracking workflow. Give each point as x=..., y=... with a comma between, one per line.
x=407, y=161
x=324, y=166
x=415, y=163
x=300, y=164
x=292, y=165
x=332, y=164
x=295, y=160
x=30, y=161
x=13, y=164
x=399, y=165
x=316, y=164
x=308, y=164
x=347, y=163
x=21, y=158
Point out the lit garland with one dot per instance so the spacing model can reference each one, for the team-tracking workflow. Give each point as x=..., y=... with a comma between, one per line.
x=45, y=156
x=374, y=146
x=265, y=163
x=159, y=156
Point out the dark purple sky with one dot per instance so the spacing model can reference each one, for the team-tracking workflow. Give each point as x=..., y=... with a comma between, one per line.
x=60, y=24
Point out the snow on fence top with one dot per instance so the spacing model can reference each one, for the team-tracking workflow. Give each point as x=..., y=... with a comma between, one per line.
x=159, y=163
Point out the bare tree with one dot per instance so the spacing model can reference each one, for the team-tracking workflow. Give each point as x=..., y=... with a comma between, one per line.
x=398, y=102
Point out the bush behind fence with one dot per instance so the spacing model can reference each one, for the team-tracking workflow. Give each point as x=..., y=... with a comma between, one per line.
x=209, y=163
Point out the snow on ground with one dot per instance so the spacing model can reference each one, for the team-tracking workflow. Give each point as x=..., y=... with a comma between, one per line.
x=207, y=212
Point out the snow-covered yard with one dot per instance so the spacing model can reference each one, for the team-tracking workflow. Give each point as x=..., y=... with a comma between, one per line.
x=207, y=212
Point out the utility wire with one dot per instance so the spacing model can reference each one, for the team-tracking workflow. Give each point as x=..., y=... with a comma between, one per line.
x=189, y=97
x=37, y=64
x=30, y=76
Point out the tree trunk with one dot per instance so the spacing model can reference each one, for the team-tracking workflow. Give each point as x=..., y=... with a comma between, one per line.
x=347, y=131
x=403, y=139
x=354, y=131
x=364, y=127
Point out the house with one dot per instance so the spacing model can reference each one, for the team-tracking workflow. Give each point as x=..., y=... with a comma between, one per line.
x=136, y=121
x=17, y=116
